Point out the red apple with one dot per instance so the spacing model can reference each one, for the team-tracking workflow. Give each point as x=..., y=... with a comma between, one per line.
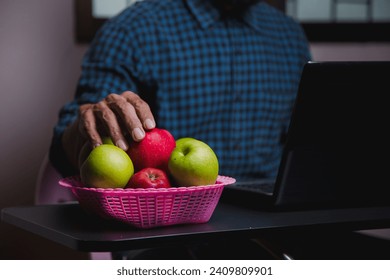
x=149, y=178
x=152, y=151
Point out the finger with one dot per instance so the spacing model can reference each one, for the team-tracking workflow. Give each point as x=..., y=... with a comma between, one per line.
x=128, y=115
x=142, y=109
x=87, y=125
x=110, y=122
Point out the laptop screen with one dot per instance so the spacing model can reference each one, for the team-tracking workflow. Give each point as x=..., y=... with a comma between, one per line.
x=337, y=148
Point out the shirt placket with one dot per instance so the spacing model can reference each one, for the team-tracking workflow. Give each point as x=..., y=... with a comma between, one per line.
x=236, y=46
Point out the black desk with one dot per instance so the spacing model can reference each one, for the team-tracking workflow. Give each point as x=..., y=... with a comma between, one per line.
x=69, y=225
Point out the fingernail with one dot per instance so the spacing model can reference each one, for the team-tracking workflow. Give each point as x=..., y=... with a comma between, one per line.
x=138, y=134
x=96, y=145
x=149, y=124
x=121, y=144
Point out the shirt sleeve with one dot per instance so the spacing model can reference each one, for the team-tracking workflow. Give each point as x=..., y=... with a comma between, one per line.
x=111, y=65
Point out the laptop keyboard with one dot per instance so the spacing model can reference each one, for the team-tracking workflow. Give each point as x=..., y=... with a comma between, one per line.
x=261, y=186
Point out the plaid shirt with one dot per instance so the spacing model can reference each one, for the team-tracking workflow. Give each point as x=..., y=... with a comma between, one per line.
x=228, y=82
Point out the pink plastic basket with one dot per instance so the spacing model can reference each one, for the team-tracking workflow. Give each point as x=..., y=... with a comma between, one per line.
x=148, y=208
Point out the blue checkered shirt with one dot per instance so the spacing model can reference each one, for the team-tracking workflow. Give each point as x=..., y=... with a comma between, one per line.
x=229, y=82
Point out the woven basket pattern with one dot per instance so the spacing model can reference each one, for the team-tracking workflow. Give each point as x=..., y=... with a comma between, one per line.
x=148, y=208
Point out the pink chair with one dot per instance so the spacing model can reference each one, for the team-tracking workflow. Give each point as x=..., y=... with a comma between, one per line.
x=48, y=191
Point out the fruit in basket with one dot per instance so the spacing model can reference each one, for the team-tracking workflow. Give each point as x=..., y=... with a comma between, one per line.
x=193, y=163
x=149, y=178
x=107, y=140
x=152, y=151
x=86, y=150
x=107, y=166
x=84, y=153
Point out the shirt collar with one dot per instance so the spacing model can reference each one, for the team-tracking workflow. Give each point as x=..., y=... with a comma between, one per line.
x=206, y=14
x=257, y=16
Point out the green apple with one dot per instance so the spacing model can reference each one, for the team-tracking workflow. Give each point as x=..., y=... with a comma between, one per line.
x=86, y=150
x=107, y=140
x=107, y=166
x=193, y=163
x=84, y=153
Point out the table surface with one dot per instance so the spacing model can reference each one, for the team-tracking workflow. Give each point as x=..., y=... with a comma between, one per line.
x=69, y=225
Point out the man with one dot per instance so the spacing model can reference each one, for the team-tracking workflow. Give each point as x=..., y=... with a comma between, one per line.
x=225, y=72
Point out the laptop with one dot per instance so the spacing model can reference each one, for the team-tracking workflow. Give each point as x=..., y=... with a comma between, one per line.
x=336, y=154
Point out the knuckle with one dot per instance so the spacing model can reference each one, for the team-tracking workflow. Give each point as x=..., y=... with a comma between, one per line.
x=100, y=105
x=129, y=94
x=83, y=109
x=112, y=96
x=115, y=133
x=124, y=106
x=88, y=125
x=114, y=101
x=103, y=111
x=139, y=104
x=107, y=115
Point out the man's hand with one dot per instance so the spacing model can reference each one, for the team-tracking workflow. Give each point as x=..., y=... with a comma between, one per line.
x=116, y=116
